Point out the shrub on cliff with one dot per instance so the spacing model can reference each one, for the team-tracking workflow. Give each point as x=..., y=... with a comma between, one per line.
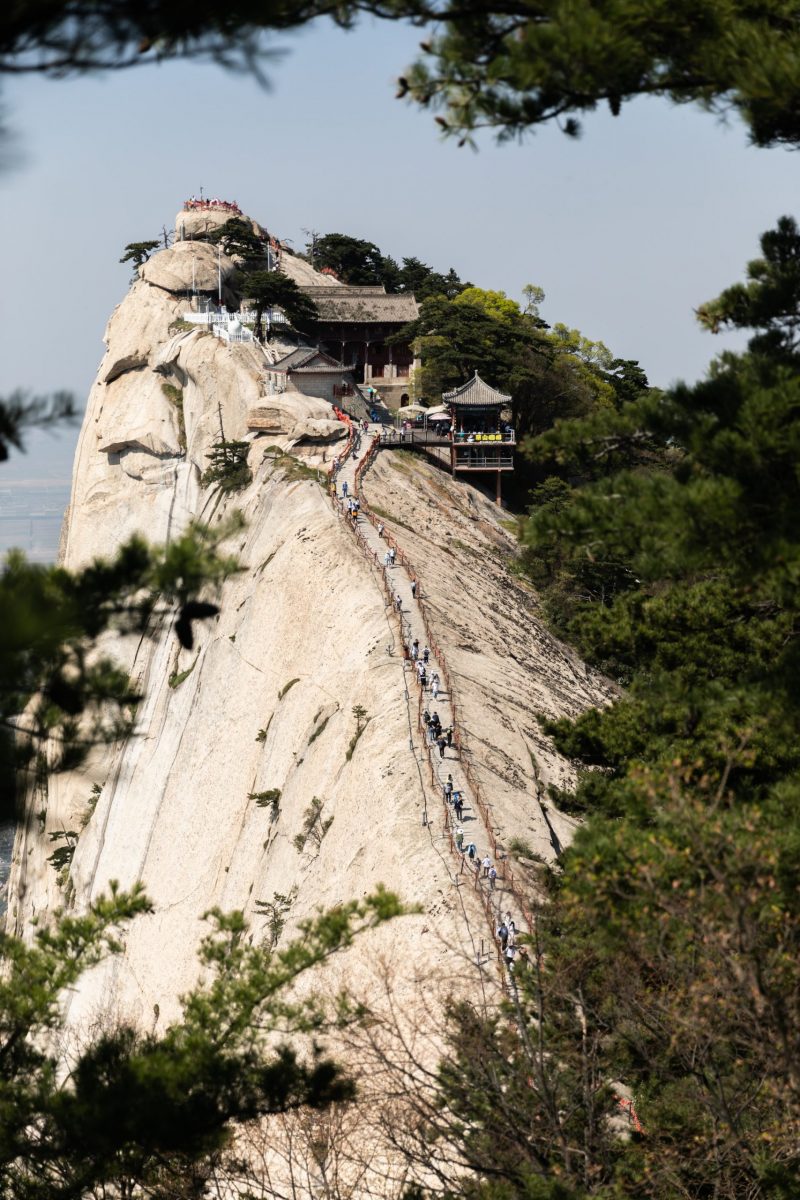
x=228, y=466
x=138, y=1113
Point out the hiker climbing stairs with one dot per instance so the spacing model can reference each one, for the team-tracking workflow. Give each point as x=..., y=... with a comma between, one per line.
x=471, y=839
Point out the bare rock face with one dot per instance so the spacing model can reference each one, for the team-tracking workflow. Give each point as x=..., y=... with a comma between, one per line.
x=137, y=325
x=138, y=416
x=311, y=431
x=188, y=265
x=301, y=418
x=263, y=706
x=195, y=222
x=304, y=274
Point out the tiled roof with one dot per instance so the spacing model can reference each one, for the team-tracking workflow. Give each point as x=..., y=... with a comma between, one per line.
x=356, y=305
x=476, y=394
x=307, y=358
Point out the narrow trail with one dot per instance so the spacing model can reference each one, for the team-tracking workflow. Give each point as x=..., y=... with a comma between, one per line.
x=499, y=897
x=414, y=623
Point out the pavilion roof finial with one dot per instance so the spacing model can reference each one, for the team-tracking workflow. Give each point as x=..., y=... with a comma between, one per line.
x=477, y=394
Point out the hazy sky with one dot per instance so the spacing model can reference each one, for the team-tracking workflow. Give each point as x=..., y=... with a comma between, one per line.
x=626, y=229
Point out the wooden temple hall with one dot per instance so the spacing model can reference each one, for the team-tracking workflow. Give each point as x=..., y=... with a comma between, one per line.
x=353, y=326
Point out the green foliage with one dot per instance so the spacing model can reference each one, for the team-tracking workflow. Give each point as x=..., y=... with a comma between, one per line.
x=506, y=68
x=658, y=573
x=20, y=412
x=362, y=720
x=291, y=466
x=177, y=677
x=420, y=279
x=521, y=849
x=227, y=466
x=314, y=827
x=770, y=300
x=667, y=955
x=138, y=253
x=275, y=911
x=52, y=687
x=550, y=374
x=512, y=69
x=272, y=289
x=95, y=795
x=268, y=799
x=455, y=338
x=137, y=1113
x=175, y=396
x=62, y=855
x=239, y=240
x=356, y=261
x=319, y=730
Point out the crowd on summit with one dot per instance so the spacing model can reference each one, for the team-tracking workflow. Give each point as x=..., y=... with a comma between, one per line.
x=226, y=205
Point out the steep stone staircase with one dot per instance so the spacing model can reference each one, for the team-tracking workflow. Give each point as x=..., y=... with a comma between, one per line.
x=412, y=618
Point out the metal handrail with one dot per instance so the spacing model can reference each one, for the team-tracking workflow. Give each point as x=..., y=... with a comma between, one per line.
x=506, y=873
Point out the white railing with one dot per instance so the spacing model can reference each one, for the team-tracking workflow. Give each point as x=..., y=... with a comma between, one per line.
x=232, y=335
x=479, y=458
x=271, y=316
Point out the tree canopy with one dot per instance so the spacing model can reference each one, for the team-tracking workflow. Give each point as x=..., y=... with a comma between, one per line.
x=72, y=697
x=239, y=240
x=648, y=1046
x=359, y=263
x=272, y=289
x=139, y=252
x=770, y=300
x=20, y=412
x=354, y=260
x=145, y=1113
x=510, y=66
x=550, y=373
x=665, y=959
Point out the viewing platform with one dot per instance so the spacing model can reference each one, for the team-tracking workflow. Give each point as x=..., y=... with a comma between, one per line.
x=467, y=449
x=233, y=326
x=464, y=434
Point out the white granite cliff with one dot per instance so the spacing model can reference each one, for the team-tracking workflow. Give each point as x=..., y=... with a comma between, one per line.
x=265, y=700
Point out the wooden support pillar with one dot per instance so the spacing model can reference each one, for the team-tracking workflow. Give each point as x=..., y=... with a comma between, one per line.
x=499, y=475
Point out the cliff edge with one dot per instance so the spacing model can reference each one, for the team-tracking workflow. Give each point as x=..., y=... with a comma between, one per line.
x=239, y=740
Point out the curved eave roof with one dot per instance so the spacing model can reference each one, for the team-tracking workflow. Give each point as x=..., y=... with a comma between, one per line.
x=476, y=394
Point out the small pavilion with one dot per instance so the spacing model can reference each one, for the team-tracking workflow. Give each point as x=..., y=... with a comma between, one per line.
x=481, y=439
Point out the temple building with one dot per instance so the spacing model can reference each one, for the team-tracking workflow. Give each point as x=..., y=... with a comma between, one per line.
x=481, y=436
x=354, y=323
x=312, y=372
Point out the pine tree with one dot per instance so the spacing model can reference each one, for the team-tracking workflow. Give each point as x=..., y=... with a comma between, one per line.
x=665, y=962
x=138, y=1114
x=271, y=289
